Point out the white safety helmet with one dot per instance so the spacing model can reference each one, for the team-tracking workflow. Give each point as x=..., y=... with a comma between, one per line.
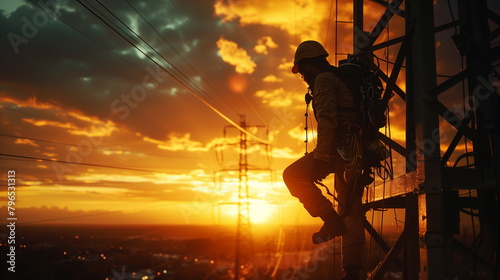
x=307, y=49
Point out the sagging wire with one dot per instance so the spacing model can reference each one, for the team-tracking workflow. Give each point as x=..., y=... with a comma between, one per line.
x=81, y=163
x=177, y=52
x=146, y=43
x=219, y=151
x=397, y=221
x=175, y=77
x=465, y=156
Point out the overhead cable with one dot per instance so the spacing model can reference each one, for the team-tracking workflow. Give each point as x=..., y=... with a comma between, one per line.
x=97, y=148
x=175, y=50
x=197, y=95
x=81, y=163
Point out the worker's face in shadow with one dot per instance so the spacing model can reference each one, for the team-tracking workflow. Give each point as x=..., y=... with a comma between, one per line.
x=306, y=70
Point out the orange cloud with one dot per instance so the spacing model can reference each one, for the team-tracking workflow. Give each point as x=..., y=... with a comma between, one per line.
x=264, y=43
x=300, y=17
x=276, y=98
x=287, y=64
x=298, y=133
x=48, y=123
x=238, y=57
x=178, y=142
x=92, y=126
x=271, y=78
x=286, y=153
x=97, y=129
x=50, y=155
x=26, y=142
x=30, y=102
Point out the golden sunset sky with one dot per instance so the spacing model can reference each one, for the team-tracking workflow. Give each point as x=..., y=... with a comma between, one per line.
x=98, y=133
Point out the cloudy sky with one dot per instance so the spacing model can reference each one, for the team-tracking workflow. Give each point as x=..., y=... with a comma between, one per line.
x=121, y=111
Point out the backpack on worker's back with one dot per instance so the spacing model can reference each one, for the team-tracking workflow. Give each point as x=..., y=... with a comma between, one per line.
x=367, y=88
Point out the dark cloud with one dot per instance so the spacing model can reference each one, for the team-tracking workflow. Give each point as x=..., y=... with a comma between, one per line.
x=79, y=62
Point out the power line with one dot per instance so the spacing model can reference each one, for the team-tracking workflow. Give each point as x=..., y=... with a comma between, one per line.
x=85, y=35
x=90, y=215
x=175, y=50
x=217, y=111
x=81, y=163
x=96, y=148
x=200, y=91
x=117, y=55
x=68, y=218
x=197, y=95
x=171, y=65
x=35, y=139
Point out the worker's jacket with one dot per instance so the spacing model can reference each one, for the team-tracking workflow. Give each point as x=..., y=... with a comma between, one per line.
x=333, y=105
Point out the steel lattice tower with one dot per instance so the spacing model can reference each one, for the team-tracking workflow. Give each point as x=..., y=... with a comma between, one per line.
x=244, y=250
x=244, y=243
x=427, y=248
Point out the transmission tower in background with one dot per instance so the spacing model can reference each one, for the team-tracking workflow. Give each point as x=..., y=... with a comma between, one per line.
x=244, y=265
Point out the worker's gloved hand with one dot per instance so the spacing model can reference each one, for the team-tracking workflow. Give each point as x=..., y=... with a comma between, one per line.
x=320, y=169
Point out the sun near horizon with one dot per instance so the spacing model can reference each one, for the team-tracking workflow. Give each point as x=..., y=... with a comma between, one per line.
x=99, y=133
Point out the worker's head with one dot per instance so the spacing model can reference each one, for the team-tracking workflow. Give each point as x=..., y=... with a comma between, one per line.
x=310, y=57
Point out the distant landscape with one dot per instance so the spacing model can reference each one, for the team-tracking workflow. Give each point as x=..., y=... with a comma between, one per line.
x=100, y=252
x=159, y=252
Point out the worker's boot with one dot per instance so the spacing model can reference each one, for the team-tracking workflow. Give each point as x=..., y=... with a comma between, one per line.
x=332, y=228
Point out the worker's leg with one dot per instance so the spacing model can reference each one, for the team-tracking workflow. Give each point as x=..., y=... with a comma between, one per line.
x=297, y=178
x=353, y=240
x=299, y=181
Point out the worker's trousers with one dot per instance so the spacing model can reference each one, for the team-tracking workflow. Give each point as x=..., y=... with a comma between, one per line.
x=297, y=178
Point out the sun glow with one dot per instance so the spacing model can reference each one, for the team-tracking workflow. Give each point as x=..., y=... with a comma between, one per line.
x=260, y=211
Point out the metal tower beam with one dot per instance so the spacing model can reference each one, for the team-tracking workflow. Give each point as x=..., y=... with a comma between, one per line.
x=429, y=190
x=436, y=260
x=474, y=43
